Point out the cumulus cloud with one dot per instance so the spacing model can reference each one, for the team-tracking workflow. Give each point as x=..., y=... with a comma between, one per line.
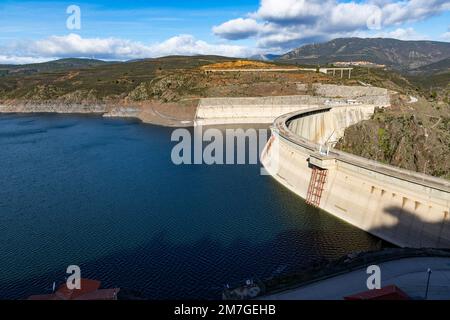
x=73, y=45
x=238, y=29
x=412, y=10
x=283, y=23
x=402, y=34
x=14, y=59
x=446, y=36
x=300, y=11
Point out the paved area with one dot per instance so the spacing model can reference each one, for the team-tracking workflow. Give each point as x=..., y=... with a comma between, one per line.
x=409, y=274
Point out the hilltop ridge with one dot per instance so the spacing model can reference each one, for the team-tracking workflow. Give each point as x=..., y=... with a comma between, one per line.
x=396, y=54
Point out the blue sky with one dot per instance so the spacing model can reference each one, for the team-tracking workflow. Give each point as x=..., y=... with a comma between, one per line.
x=36, y=30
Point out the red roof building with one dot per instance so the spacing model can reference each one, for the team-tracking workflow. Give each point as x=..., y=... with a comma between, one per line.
x=90, y=290
x=387, y=293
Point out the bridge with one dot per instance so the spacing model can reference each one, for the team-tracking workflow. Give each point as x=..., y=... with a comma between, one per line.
x=334, y=70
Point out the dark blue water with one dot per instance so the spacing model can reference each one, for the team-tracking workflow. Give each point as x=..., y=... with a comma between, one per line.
x=103, y=194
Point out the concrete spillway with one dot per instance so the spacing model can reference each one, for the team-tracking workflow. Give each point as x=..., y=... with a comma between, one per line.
x=403, y=207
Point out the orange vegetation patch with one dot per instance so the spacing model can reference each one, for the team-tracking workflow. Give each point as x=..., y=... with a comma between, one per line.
x=69, y=76
x=239, y=64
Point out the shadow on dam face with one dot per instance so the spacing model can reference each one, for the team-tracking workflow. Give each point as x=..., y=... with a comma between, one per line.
x=402, y=207
x=412, y=229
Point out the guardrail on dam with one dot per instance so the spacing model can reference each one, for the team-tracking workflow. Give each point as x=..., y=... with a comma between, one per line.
x=403, y=207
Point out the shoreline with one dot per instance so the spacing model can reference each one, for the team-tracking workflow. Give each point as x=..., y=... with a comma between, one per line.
x=148, y=114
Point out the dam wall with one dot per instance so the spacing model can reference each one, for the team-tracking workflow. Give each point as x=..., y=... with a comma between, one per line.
x=216, y=111
x=400, y=206
x=53, y=108
x=326, y=128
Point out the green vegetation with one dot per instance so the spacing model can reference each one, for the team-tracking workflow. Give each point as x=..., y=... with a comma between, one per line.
x=99, y=81
x=411, y=136
x=165, y=80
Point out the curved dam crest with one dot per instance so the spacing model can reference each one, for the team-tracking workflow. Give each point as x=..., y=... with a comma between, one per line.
x=403, y=207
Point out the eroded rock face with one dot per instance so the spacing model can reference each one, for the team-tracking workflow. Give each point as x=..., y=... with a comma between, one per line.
x=52, y=108
x=168, y=88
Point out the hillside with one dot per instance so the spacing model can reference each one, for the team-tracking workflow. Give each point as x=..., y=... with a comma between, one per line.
x=413, y=136
x=396, y=54
x=169, y=88
x=57, y=65
x=266, y=57
x=442, y=66
x=164, y=80
x=170, y=80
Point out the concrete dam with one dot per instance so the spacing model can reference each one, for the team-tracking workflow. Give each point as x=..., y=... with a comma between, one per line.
x=406, y=208
x=219, y=111
x=403, y=207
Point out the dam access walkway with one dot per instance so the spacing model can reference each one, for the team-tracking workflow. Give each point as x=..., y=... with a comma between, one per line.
x=409, y=274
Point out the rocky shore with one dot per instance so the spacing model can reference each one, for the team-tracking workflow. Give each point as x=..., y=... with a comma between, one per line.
x=151, y=113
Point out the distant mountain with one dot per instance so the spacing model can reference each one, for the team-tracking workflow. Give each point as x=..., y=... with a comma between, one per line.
x=396, y=54
x=442, y=66
x=265, y=57
x=51, y=66
x=434, y=76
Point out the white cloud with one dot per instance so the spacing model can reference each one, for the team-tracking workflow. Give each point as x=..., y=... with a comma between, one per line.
x=73, y=45
x=300, y=11
x=350, y=16
x=402, y=34
x=412, y=10
x=286, y=23
x=238, y=29
x=188, y=45
x=12, y=59
x=446, y=36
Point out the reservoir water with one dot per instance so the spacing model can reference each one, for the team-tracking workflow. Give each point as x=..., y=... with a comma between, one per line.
x=104, y=194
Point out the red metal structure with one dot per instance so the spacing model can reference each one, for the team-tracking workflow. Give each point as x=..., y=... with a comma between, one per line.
x=316, y=186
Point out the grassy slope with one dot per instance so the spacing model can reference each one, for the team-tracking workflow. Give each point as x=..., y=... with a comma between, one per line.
x=168, y=79
x=99, y=82
x=411, y=136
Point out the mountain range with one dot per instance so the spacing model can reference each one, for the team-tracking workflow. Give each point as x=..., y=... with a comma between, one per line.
x=395, y=54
